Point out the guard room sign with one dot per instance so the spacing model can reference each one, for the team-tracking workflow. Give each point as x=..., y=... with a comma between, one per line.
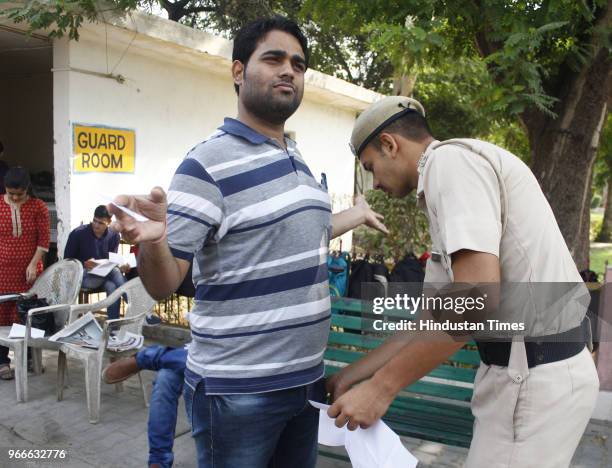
x=103, y=149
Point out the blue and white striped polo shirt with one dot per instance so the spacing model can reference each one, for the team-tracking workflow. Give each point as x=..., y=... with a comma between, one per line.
x=258, y=224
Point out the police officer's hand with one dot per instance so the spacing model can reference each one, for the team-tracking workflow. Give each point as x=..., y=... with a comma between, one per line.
x=371, y=217
x=335, y=386
x=361, y=406
x=152, y=206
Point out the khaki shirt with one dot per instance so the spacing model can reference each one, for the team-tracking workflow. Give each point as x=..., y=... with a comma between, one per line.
x=459, y=192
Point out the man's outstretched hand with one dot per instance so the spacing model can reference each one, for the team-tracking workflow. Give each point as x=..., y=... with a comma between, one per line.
x=152, y=206
x=371, y=217
x=361, y=406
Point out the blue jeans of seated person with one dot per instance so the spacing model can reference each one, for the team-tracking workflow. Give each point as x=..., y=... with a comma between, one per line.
x=263, y=430
x=167, y=389
x=110, y=282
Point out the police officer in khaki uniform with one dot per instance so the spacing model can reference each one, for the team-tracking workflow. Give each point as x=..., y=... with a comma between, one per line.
x=489, y=223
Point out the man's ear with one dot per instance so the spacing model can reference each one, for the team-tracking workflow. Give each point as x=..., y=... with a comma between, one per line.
x=388, y=144
x=238, y=72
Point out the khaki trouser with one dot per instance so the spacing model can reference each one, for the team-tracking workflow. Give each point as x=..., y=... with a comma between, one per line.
x=531, y=417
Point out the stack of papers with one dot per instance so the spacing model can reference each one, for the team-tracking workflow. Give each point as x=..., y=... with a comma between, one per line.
x=375, y=447
x=106, y=265
x=86, y=332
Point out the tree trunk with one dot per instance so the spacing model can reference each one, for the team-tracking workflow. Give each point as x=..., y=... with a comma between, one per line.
x=605, y=235
x=563, y=150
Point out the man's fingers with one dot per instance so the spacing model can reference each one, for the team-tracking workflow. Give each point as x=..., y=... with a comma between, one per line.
x=378, y=215
x=383, y=228
x=334, y=410
x=122, y=200
x=341, y=420
x=376, y=224
x=352, y=426
x=157, y=195
x=122, y=225
x=128, y=228
x=116, y=211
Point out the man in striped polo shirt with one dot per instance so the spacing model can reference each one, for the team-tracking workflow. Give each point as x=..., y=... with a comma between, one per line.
x=244, y=206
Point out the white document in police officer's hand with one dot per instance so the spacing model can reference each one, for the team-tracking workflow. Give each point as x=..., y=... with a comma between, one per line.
x=375, y=447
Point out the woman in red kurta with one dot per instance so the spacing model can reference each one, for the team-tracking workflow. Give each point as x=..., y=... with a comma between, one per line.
x=24, y=238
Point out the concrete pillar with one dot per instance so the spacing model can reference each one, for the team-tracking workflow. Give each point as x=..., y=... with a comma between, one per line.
x=62, y=143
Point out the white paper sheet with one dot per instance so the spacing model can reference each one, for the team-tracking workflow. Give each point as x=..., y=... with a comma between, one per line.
x=18, y=331
x=329, y=434
x=126, y=210
x=375, y=447
x=123, y=259
x=104, y=267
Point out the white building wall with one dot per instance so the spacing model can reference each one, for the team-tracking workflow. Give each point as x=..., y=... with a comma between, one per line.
x=172, y=105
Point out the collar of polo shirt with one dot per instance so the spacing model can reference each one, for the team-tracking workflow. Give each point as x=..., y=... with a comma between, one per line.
x=239, y=129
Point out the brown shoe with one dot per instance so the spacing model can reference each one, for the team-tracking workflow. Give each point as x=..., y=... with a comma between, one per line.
x=120, y=370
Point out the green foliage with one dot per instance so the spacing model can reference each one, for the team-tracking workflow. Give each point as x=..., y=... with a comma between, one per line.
x=64, y=16
x=596, y=201
x=406, y=223
x=526, y=46
x=455, y=99
x=598, y=258
x=595, y=225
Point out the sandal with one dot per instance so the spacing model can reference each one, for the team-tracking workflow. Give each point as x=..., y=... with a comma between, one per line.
x=6, y=373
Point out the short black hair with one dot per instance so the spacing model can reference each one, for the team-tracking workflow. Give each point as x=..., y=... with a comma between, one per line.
x=17, y=178
x=412, y=126
x=249, y=36
x=102, y=212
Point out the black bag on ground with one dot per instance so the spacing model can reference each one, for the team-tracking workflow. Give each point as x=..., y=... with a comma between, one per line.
x=373, y=274
x=407, y=270
x=44, y=321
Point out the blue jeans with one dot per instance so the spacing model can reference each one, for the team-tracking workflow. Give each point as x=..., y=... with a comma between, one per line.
x=110, y=282
x=167, y=389
x=263, y=430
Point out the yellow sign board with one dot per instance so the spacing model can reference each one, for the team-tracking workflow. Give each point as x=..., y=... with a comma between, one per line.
x=103, y=149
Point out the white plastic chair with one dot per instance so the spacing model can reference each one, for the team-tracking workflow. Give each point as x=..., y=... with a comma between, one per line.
x=59, y=285
x=139, y=304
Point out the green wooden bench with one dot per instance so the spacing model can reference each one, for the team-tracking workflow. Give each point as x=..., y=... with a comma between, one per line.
x=430, y=409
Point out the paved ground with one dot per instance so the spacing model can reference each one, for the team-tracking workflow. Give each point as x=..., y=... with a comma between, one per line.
x=119, y=439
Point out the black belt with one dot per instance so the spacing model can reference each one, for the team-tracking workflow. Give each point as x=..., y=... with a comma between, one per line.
x=546, y=349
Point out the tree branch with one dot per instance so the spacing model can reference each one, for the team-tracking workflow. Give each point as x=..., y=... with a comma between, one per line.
x=198, y=9
x=329, y=39
x=483, y=45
